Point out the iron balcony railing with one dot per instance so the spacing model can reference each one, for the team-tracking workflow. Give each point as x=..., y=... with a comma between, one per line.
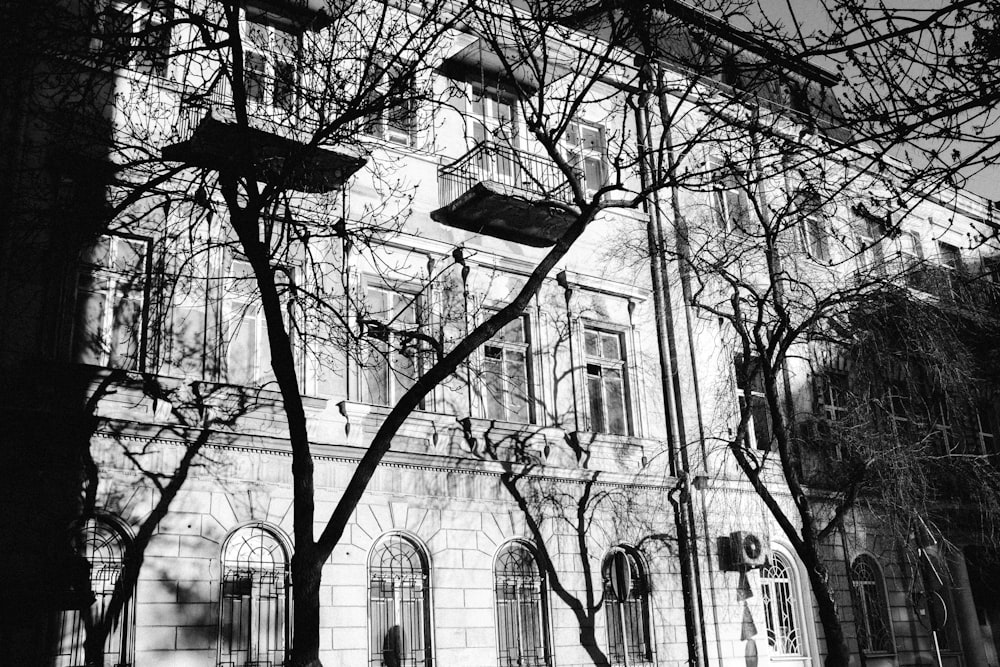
x=518, y=173
x=283, y=120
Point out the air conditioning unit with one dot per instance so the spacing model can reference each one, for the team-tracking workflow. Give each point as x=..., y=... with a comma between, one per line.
x=746, y=550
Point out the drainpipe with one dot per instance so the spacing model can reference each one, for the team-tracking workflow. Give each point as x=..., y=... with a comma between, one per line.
x=683, y=267
x=680, y=496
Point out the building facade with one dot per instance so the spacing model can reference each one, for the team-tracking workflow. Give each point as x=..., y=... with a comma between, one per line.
x=527, y=510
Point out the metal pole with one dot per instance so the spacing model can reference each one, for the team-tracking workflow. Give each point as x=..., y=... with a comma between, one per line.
x=683, y=516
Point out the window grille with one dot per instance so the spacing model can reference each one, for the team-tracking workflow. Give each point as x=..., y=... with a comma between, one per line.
x=521, y=609
x=627, y=622
x=871, y=615
x=398, y=604
x=779, y=594
x=254, y=618
x=103, y=545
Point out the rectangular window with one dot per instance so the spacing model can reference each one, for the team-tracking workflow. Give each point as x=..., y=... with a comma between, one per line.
x=585, y=150
x=391, y=94
x=831, y=401
x=507, y=377
x=110, y=311
x=247, y=358
x=871, y=255
x=392, y=359
x=607, y=390
x=730, y=196
x=136, y=33
x=813, y=226
x=270, y=60
x=753, y=400
x=493, y=125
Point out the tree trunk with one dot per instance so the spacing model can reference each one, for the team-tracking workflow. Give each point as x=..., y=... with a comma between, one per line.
x=837, y=652
x=307, y=570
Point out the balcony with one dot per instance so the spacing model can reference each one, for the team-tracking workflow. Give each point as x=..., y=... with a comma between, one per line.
x=500, y=191
x=279, y=141
x=958, y=287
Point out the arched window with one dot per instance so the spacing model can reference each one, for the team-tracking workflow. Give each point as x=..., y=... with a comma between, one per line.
x=254, y=614
x=102, y=543
x=782, y=606
x=398, y=604
x=522, y=615
x=627, y=621
x=871, y=614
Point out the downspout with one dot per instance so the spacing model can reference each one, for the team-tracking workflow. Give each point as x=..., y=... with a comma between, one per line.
x=684, y=268
x=680, y=496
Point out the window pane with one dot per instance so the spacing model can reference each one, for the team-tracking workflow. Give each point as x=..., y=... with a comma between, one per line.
x=610, y=346
x=592, y=343
x=615, y=399
x=517, y=397
x=88, y=343
x=595, y=394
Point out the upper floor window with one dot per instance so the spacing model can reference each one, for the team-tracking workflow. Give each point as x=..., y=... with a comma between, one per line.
x=135, y=32
x=870, y=609
x=392, y=359
x=831, y=400
x=780, y=594
x=607, y=388
x=398, y=604
x=949, y=256
x=254, y=621
x=270, y=58
x=247, y=358
x=586, y=151
x=910, y=248
x=730, y=197
x=390, y=92
x=813, y=226
x=103, y=544
x=109, y=325
x=507, y=377
x=492, y=123
x=628, y=621
x=522, y=613
x=753, y=400
x=871, y=255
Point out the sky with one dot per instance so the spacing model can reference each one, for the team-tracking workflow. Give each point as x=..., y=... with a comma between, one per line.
x=812, y=16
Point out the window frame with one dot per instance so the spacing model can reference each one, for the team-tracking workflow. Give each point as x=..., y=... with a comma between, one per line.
x=526, y=348
x=377, y=646
x=871, y=251
x=267, y=80
x=814, y=225
x=394, y=388
x=578, y=153
x=395, y=124
x=606, y=364
x=638, y=603
x=868, y=591
x=120, y=26
x=515, y=658
x=280, y=639
x=115, y=281
x=831, y=387
x=793, y=603
x=102, y=532
x=758, y=401
x=731, y=205
x=499, y=134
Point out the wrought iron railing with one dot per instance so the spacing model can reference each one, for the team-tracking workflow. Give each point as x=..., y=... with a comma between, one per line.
x=288, y=122
x=517, y=172
x=957, y=286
